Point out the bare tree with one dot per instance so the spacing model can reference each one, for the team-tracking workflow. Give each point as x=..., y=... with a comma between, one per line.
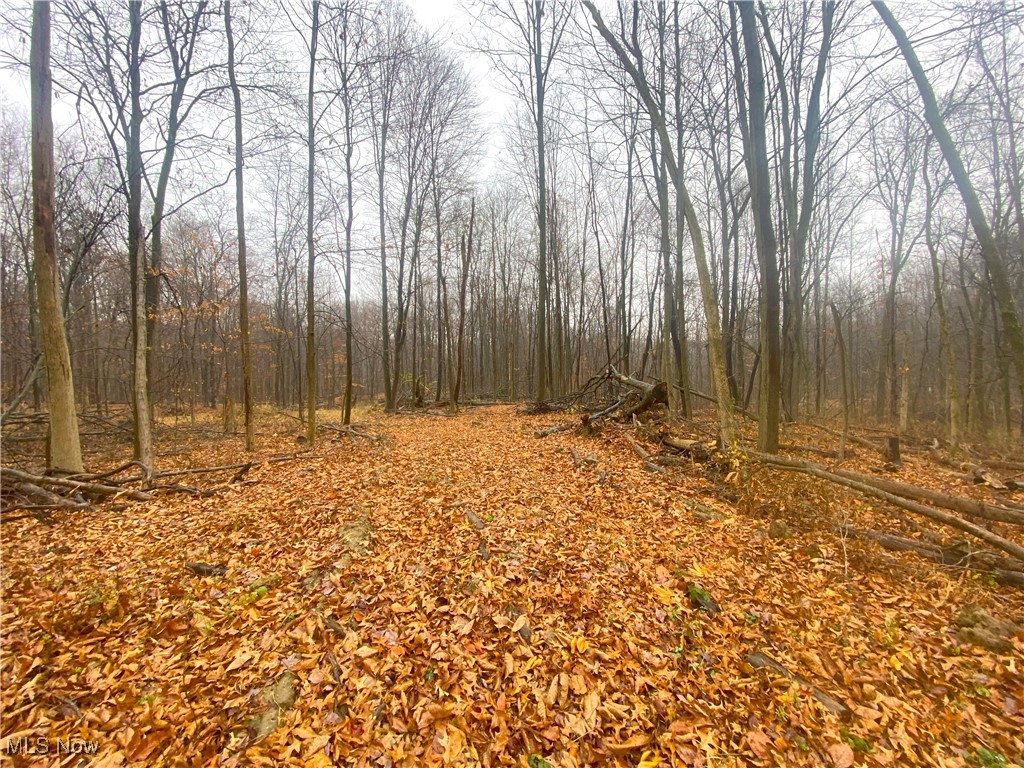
x=466, y=254
x=65, y=450
x=243, y=274
x=634, y=68
x=752, y=124
x=990, y=251
x=314, y=34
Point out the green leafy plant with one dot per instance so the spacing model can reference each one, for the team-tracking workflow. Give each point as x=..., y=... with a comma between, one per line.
x=857, y=744
x=987, y=758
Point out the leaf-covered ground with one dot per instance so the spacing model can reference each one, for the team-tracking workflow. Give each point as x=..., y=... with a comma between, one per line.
x=512, y=609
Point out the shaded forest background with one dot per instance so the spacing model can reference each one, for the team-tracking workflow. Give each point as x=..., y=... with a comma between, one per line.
x=429, y=267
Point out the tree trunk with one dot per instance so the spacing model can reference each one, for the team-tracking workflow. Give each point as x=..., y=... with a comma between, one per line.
x=310, y=243
x=542, y=214
x=842, y=373
x=64, y=447
x=764, y=233
x=725, y=412
x=466, y=251
x=990, y=252
x=143, y=433
x=243, y=280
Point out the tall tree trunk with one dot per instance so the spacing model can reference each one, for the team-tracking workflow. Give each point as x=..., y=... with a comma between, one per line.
x=842, y=373
x=243, y=279
x=440, y=298
x=542, y=214
x=64, y=448
x=143, y=432
x=349, y=216
x=767, y=246
x=952, y=390
x=310, y=244
x=725, y=415
x=681, y=345
x=466, y=252
x=990, y=252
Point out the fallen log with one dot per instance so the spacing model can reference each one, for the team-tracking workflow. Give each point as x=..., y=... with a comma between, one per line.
x=975, y=473
x=1000, y=568
x=823, y=452
x=652, y=394
x=592, y=417
x=552, y=430
x=109, y=474
x=695, y=449
x=638, y=449
x=650, y=462
x=861, y=441
x=736, y=409
x=1002, y=544
x=963, y=505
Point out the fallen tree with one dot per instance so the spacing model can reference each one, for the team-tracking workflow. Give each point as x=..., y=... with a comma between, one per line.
x=651, y=394
x=869, y=486
x=1004, y=570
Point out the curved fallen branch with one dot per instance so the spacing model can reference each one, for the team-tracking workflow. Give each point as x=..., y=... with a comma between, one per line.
x=992, y=539
x=1002, y=570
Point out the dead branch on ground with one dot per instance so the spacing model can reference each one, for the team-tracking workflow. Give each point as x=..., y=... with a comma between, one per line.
x=869, y=486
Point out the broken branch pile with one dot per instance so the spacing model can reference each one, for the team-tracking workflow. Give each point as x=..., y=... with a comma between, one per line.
x=39, y=494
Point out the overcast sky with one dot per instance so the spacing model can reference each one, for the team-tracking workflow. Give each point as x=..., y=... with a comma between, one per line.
x=449, y=20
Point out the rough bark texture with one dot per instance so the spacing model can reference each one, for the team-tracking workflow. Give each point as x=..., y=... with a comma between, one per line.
x=64, y=448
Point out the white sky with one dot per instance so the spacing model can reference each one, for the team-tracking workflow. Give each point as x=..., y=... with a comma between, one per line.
x=452, y=23
x=449, y=20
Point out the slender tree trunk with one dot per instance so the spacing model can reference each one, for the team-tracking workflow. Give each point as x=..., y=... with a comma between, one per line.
x=843, y=375
x=440, y=298
x=64, y=448
x=143, y=433
x=310, y=243
x=952, y=390
x=990, y=252
x=466, y=251
x=542, y=214
x=767, y=245
x=726, y=419
x=243, y=279
x=350, y=214
x=681, y=344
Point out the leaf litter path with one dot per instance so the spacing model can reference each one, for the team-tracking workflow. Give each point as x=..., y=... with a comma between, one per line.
x=511, y=610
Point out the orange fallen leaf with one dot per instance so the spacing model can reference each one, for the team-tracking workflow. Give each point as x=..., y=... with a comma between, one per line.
x=635, y=742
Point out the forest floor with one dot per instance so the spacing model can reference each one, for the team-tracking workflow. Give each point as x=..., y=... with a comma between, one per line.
x=458, y=592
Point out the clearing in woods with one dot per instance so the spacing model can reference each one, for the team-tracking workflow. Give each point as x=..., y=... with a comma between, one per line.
x=459, y=592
